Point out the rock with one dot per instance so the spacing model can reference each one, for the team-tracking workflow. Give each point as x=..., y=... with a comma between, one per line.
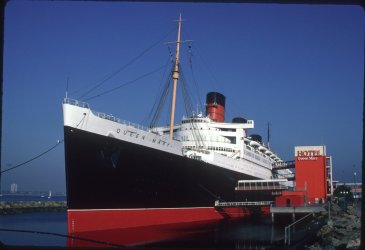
x=349, y=208
x=31, y=206
x=316, y=246
x=326, y=229
x=349, y=228
x=340, y=222
x=353, y=244
x=350, y=217
x=342, y=231
x=332, y=241
x=336, y=209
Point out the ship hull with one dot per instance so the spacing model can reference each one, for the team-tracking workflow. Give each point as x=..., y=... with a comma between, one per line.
x=106, y=173
x=128, y=227
x=117, y=185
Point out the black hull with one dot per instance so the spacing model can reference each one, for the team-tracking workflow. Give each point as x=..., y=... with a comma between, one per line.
x=106, y=173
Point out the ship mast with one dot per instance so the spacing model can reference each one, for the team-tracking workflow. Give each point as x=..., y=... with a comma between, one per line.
x=175, y=77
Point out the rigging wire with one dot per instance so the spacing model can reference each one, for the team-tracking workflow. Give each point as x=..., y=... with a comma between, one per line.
x=211, y=72
x=127, y=83
x=193, y=75
x=108, y=77
x=161, y=103
x=34, y=158
x=187, y=101
x=215, y=81
x=170, y=54
x=189, y=109
x=161, y=87
x=200, y=55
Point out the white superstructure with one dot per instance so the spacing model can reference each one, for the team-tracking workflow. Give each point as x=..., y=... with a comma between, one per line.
x=198, y=137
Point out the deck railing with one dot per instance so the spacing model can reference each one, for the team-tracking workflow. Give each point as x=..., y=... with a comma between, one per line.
x=242, y=203
x=106, y=116
x=76, y=103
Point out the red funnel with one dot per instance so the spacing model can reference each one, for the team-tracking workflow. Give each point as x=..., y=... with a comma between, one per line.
x=215, y=106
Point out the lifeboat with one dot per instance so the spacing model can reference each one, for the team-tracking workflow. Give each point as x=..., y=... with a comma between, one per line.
x=254, y=144
x=262, y=149
x=268, y=152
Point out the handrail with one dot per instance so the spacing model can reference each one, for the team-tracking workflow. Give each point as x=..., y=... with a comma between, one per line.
x=105, y=116
x=288, y=228
x=76, y=103
x=242, y=203
x=262, y=188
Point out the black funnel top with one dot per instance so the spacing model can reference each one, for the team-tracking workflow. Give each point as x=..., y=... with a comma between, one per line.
x=216, y=98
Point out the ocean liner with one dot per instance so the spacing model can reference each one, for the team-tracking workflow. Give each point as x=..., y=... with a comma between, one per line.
x=121, y=175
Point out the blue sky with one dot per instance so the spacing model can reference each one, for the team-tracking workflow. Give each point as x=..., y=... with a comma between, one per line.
x=299, y=67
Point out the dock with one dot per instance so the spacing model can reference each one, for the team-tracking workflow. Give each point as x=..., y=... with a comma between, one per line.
x=242, y=204
x=293, y=211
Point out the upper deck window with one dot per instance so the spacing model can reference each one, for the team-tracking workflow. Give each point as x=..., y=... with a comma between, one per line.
x=228, y=129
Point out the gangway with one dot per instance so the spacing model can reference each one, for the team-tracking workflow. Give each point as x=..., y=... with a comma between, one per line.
x=257, y=185
x=252, y=190
x=283, y=165
x=242, y=203
x=288, y=176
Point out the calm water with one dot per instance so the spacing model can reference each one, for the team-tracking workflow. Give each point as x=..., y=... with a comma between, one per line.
x=238, y=235
x=44, y=222
x=7, y=197
x=244, y=234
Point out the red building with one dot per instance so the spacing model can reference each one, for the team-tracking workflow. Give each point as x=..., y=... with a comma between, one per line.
x=312, y=177
x=311, y=172
x=291, y=199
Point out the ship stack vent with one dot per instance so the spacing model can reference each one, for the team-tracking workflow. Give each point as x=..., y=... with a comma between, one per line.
x=257, y=138
x=239, y=120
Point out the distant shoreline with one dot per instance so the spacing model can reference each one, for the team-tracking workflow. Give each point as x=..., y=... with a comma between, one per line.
x=38, y=193
x=19, y=207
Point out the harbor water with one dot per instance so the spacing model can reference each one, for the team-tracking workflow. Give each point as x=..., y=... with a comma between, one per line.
x=50, y=229
x=28, y=230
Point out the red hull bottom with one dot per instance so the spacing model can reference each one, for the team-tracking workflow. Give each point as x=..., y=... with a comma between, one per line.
x=235, y=212
x=125, y=227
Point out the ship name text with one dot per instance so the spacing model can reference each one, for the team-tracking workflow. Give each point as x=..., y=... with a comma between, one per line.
x=142, y=137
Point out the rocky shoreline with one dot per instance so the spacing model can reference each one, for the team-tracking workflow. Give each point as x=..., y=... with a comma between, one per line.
x=19, y=207
x=342, y=230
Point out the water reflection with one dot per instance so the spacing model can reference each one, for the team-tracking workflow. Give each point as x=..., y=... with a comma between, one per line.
x=250, y=233
x=254, y=233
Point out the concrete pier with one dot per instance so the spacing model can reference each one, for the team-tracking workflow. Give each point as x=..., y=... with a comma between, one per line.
x=292, y=211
